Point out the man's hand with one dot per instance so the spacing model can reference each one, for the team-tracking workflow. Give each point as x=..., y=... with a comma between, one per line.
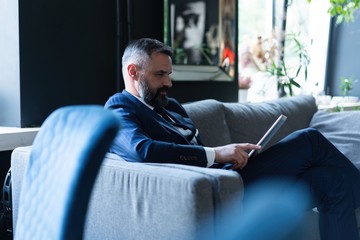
x=236, y=153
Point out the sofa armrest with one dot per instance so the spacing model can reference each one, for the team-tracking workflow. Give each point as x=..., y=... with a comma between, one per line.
x=149, y=201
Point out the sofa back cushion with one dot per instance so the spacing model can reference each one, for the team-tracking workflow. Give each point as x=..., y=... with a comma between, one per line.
x=223, y=123
x=209, y=118
x=342, y=129
x=249, y=121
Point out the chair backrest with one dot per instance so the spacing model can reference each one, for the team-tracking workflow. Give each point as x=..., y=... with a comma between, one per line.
x=64, y=161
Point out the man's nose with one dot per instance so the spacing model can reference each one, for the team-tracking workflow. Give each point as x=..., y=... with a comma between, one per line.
x=167, y=81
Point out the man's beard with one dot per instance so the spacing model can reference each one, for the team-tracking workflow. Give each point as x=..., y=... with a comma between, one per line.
x=153, y=97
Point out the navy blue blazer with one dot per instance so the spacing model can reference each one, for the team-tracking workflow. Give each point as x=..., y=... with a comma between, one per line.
x=144, y=136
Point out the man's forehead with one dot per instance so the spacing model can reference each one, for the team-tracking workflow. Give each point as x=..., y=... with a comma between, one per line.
x=160, y=62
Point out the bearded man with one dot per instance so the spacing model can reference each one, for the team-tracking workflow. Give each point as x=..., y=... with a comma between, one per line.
x=155, y=128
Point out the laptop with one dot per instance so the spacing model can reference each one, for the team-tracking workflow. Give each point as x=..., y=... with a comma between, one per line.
x=269, y=134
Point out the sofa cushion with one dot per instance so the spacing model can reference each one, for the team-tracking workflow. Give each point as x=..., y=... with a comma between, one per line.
x=158, y=201
x=342, y=129
x=209, y=117
x=299, y=110
x=148, y=200
x=241, y=117
x=248, y=122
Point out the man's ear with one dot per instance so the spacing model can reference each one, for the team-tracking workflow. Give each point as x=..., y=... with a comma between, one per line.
x=132, y=71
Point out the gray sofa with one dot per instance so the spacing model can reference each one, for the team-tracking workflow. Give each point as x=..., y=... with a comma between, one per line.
x=169, y=201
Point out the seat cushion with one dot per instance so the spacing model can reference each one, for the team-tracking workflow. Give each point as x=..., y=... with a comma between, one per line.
x=342, y=129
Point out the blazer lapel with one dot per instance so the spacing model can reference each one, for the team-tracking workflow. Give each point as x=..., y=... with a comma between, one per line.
x=179, y=122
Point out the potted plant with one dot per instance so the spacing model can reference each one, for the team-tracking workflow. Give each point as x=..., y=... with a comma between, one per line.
x=345, y=88
x=287, y=73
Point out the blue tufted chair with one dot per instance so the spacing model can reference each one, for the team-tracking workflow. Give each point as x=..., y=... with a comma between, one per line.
x=64, y=161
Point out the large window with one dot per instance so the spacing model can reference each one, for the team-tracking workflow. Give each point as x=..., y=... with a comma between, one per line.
x=261, y=47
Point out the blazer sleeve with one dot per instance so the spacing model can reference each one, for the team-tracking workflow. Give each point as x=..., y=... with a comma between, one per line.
x=142, y=138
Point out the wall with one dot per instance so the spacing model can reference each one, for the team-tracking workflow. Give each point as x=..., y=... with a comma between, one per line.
x=344, y=52
x=67, y=55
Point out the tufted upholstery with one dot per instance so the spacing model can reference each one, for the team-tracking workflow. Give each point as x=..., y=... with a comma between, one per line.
x=62, y=167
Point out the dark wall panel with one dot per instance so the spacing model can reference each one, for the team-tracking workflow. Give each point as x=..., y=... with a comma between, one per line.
x=185, y=91
x=146, y=19
x=67, y=55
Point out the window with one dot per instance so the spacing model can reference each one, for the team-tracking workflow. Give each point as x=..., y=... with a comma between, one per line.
x=260, y=24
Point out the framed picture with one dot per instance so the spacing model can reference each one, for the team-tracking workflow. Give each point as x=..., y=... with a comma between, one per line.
x=202, y=35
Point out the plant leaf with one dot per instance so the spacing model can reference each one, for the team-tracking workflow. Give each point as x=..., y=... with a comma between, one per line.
x=293, y=82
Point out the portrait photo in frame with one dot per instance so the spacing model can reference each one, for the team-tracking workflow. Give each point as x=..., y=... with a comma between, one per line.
x=202, y=35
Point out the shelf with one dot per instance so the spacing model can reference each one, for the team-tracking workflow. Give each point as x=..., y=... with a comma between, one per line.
x=342, y=106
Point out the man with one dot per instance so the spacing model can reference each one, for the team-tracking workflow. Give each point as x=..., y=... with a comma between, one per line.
x=156, y=128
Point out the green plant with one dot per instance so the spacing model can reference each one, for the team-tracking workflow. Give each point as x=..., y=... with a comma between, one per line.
x=343, y=10
x=338, y=108
x=346, y=86
x=285, y=80
x=288, y=71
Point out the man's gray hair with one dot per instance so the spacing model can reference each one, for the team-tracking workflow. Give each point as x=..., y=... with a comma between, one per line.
x=139, y=52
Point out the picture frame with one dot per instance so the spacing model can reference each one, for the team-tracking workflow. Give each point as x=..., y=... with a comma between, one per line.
x=202, y=34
